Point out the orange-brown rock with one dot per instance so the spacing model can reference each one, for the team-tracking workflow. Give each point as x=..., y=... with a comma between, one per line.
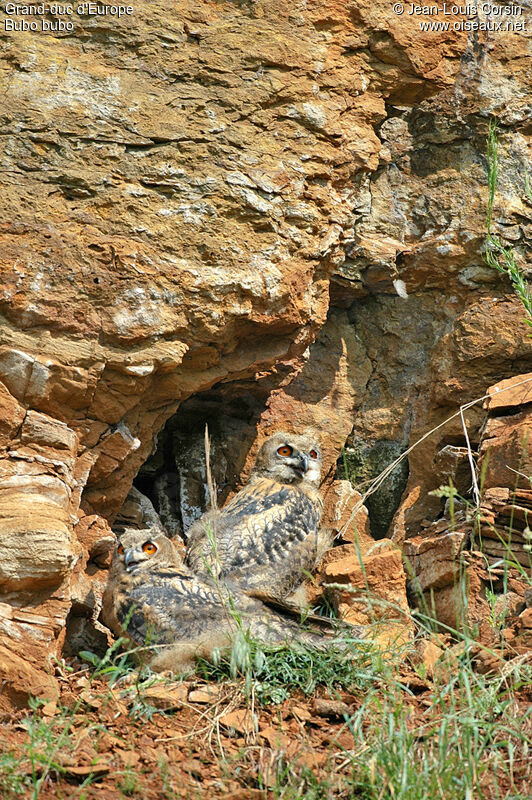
x=345, y=515
x=96, y=538
x=323, y=395
x=505, y=451
x=375, y=587
x=525, y=619
x=19, y=681
x=181, y=203
x=425, y=657
x=461, y=604
x=523, y=639
x=346, y=519
x=434, y=561
x=511, y=392
x=37, y=504
x=486, y=333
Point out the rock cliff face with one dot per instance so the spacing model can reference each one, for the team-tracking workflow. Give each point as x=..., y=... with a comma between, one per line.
x=218, y=209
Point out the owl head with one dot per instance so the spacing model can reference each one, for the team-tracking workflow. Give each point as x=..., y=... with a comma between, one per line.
x=139, y=550
x=288, y=458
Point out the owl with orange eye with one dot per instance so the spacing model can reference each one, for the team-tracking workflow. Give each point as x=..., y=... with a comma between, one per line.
x=171, y=616
x=268, y=536
x=137, y=554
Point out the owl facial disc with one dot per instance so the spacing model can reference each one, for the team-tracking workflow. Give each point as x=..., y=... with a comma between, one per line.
x=135, y=556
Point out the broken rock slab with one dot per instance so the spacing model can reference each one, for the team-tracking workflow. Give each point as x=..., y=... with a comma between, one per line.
x=461, y=604
x=509, y=393
x=434, y=561
x=425, y=657
x=345, y=515
x=506, y=450
x=369, y=588
x=20, y=680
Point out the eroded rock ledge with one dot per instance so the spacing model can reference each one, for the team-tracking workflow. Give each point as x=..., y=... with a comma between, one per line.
x=213, y=203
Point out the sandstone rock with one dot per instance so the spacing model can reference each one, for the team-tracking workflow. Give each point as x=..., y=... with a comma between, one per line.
x=459, y=605
x=504, y=531
x=510, y=552
x=523, y=639
x=36, y=489
x=87, y=586
x=525, y=619
x=426, y=656
x=507, y=606
x=240, y=721
x=96, y=538
x=325, y=707
x=488, y=662
x=509, y=393
x=452, y=465
x=172, y=696
x=205, y=695
x=19, y=681
x=505, y=455
x=176, y=239
x=434, y=560
x=374, y=589
x=11, y=416
x=35, y=534
x=345, y=515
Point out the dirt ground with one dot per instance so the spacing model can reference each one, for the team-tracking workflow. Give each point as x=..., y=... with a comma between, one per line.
x=196, y=739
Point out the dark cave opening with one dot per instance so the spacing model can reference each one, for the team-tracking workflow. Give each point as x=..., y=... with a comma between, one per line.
x=174, y=476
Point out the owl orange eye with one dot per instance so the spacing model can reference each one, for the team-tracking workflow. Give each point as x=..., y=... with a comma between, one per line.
x=313, y=454
x=120, y=550
x=149, y=548
x=285, y=450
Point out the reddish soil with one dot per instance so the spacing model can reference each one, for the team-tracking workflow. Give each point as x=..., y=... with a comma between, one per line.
x=206, y=746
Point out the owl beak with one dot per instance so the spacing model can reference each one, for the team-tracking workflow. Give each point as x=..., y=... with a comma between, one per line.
x=301, y=465
x=130, y=559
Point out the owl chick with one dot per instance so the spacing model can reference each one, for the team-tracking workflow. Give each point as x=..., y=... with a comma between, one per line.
x=156, y=601
x=269, y=534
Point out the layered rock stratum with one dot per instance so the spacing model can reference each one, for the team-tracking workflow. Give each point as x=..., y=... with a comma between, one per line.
x=258, y=214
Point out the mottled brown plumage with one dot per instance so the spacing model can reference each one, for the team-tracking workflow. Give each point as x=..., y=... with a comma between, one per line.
x=268, y=536
x=157, y=602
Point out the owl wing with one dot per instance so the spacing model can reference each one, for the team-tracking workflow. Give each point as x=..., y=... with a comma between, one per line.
x=170, y=606
x=293, y=611
x=265, y=537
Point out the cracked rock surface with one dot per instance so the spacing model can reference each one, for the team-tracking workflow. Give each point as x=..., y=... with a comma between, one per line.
x=279, y=208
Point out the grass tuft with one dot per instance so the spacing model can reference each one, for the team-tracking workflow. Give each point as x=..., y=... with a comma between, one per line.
x=273, y=674
x=498, y=256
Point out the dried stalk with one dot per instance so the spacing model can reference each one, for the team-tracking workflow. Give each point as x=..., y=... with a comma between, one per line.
x=211, y=485
x=379, y=480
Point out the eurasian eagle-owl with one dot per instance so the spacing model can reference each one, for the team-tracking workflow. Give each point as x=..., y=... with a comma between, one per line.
x=268, y=535
x=173, y=616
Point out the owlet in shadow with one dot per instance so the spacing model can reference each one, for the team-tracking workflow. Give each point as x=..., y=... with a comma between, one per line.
x=174, y=616
x=269, y=534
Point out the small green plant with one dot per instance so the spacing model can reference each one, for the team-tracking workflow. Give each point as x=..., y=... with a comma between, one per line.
x=113, y=665
x=128, y=783
x=499, y=256
x=292, y=782
x=13, y=782
x=116, y=668
x=46, y=744
x=272, y=673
